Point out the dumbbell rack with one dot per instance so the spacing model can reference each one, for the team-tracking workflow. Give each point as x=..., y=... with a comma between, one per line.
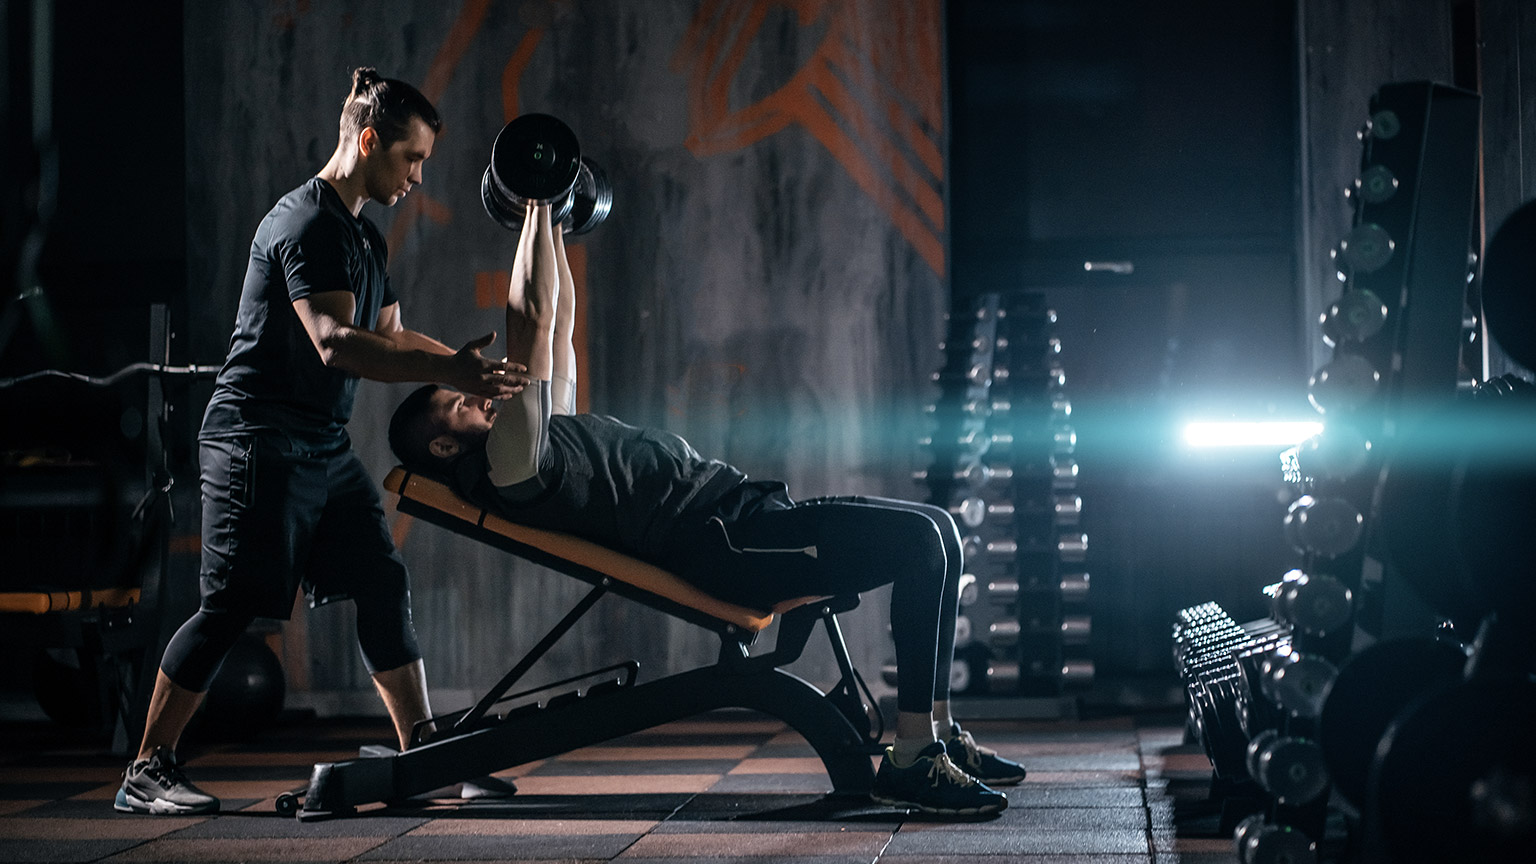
x=1257, y=691
x=1001, y=461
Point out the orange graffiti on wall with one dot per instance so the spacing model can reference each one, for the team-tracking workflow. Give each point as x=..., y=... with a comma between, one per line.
x=460, y=36
x=871, y=93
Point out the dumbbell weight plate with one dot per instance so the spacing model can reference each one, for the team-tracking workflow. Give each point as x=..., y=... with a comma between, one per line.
x=510, y=217
x=1326, y=526
x=1368, y=247
x=535, y=158
x=1339, y=452
x=959, y=675
x=1255, y=711
x=1418, y=520
x=1317, y=605
x=1194, y=722
x=1454, y=774
x=591, y=199
x=1292, y=770
x=1345, y=384
x=1356, y=316
x=1224, y=743
x=1250, y=826
x=1508, y=266
x=1371, y=688
x=1256, y=748
x=1301, y=685
x=1277, y=844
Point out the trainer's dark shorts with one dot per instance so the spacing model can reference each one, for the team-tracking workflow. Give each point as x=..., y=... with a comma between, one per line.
x=279, y=514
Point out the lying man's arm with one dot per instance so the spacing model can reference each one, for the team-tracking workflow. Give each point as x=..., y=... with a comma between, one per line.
x=563, y=380
x=518, y=444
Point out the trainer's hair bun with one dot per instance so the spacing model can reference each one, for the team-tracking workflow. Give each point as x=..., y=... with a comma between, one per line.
x=364, y=77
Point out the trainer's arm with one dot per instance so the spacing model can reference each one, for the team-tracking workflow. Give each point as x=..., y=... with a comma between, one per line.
x=391, y=327
x=563, y=380
x=326, y=316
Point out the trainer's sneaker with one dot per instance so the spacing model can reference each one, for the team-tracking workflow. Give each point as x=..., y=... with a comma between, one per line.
x=933, y=784
x=980, y=762
x=157, y=785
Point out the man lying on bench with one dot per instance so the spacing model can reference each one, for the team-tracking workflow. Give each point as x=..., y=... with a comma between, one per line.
x=647, y=493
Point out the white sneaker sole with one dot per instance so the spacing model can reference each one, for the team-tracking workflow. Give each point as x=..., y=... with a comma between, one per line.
x=1002, y=781
x=940, y=811
x=125, y=803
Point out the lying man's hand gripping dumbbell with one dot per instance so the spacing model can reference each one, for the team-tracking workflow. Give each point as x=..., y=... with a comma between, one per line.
x=647, y=493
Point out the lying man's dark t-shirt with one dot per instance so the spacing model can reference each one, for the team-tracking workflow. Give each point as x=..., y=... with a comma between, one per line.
x=644, y=492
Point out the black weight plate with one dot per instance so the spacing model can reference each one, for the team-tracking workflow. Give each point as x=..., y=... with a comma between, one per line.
x=592, y=198
x=499, y=212
x=1416, y=520
x=535, y=158
x=1509, y=269
x=1454, y=775
x=1277, y=844
x=1372, y=688
x=1496, y=508
x=509, y=216
x=1225, y=744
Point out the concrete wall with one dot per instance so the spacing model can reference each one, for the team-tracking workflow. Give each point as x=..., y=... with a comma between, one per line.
x=771, y=283
x=1348, y=50
x=1508, y=84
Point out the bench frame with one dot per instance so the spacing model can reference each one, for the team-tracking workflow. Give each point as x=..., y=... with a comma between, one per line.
x=478, y=741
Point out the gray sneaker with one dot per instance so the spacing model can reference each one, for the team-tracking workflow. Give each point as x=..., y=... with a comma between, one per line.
x=933, y=784
x=157, y=785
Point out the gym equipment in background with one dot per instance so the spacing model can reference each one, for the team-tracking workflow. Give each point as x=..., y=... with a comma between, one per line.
x=1002, y=463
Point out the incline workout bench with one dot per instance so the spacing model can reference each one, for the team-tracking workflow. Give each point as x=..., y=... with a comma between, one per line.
x=502, y=731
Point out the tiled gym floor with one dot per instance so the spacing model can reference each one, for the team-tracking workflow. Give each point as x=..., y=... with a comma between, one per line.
x=726, y=787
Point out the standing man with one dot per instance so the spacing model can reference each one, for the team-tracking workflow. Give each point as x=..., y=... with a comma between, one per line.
x=285, y=501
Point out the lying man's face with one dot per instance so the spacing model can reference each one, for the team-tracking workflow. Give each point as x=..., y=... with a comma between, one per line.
x=467, y=419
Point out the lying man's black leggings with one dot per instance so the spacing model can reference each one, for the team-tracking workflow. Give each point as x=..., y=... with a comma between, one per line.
x=768, y=548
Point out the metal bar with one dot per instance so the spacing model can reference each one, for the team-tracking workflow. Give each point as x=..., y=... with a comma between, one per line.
x=532, y=657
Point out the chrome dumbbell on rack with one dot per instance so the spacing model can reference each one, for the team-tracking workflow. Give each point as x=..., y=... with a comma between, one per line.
x=1002, y=465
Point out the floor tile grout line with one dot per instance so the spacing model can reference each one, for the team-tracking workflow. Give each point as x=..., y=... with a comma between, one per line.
x=1146, y=800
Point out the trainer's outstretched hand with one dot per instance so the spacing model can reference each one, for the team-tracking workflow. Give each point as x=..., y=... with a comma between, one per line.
x=470, y=372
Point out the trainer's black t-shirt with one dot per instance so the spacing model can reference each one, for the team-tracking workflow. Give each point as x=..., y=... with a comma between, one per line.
x=626, y=487
x=273, y=377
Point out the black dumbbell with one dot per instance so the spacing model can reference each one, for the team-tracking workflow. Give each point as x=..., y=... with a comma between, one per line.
x=1453, y=775
x=1371, y=689
x=536, y=159
x=1261, y=842
x=1297, y=683
x=1291, y=769
x=1317, y=605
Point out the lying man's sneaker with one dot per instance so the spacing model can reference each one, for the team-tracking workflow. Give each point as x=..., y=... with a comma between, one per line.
x=980, y=762
x=490, y=786
x=933, y=784
x=157, y=785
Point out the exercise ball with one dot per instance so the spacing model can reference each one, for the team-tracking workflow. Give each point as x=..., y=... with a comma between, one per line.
x=247, y=694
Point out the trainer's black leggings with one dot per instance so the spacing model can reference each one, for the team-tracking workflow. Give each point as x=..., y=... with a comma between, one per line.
x=384, y=634
x=832, y=546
